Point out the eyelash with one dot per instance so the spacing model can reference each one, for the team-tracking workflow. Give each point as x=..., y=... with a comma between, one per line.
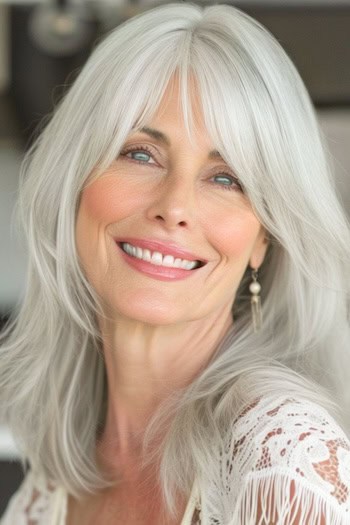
x=145, y=149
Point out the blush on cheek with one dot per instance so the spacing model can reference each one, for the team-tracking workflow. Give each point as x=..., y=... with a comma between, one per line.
x=108, y=199
x=100, y=199
x=237, y=238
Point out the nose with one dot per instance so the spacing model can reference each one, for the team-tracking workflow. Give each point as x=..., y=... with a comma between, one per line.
x=173, y=203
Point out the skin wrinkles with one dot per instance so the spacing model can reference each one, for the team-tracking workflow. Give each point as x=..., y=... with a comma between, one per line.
x=158, y=336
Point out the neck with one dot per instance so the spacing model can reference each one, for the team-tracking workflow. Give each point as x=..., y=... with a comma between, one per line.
x=146, y=364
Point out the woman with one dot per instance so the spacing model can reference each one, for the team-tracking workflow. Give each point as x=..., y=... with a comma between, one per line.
x=180, y=185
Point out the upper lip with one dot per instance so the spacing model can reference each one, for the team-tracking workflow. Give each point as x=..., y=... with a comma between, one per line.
x=164, y=247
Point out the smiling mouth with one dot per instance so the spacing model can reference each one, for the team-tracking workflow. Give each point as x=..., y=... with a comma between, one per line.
x=158, y=258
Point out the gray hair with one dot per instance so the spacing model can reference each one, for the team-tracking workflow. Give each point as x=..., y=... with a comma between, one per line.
x=260, y=118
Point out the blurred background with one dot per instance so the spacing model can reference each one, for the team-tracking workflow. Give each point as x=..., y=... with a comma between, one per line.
x=43, y=46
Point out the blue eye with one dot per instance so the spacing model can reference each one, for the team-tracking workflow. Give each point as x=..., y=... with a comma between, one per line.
x=227, y=180
x=230, y=183
x=140, y=156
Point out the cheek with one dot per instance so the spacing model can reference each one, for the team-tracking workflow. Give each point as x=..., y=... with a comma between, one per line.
x=236, y=234
x=106, y=200
x=103, y=202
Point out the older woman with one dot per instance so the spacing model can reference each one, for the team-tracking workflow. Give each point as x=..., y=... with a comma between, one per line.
x=180, y=189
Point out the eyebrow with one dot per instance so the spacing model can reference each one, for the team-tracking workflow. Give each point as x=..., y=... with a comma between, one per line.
x=164, y=139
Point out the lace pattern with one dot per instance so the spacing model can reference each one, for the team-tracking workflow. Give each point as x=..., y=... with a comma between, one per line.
x=288, y=460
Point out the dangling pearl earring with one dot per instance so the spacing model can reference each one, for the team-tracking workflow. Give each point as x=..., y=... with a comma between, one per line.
x=255, y=301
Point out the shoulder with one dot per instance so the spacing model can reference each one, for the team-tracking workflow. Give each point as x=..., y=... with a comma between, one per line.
x=298, y=417
x=291, y=433
x=32, y=503
x=292, y=449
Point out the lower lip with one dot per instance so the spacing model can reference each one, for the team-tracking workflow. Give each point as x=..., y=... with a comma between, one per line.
x=161, y=273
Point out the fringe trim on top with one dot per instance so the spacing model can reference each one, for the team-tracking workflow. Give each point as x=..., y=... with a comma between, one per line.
x=268, y=500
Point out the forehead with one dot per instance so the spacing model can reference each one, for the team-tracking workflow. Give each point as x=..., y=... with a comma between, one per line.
x=179, y=118
x=177, y=96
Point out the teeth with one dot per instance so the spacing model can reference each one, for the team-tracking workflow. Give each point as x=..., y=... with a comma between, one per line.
x=144, y=254
x=187, y=265
x=169, y=260
x=157, y=258
x=177, y=263
x=127, y=249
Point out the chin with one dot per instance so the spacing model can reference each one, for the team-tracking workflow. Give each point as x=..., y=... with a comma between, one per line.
x=153, y=313
x=154, y=319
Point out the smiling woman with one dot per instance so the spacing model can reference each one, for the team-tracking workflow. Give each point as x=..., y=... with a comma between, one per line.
x=180, y=191
x=173, y=199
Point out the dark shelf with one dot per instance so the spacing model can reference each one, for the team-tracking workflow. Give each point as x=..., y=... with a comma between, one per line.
x=11, y=476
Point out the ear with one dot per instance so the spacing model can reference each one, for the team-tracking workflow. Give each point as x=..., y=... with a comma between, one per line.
x=259, y=250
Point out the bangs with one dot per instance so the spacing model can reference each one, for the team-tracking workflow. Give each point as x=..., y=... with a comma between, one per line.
x=227, y=116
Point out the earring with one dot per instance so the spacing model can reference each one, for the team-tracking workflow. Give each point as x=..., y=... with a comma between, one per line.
x=255, y=301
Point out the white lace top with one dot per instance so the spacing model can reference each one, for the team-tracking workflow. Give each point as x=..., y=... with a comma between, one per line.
x=288, y=463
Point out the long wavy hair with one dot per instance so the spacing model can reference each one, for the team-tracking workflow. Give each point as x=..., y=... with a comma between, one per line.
x=260, y=117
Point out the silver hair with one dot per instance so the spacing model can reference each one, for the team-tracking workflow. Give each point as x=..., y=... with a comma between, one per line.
x=260, y=117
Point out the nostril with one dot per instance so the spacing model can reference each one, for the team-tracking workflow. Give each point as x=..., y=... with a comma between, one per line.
x=163, y=219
